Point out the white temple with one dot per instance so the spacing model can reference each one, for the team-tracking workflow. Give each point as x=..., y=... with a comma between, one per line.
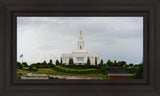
x=80, y=55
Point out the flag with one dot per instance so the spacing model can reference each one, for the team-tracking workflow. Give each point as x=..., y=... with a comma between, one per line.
x=21, y=55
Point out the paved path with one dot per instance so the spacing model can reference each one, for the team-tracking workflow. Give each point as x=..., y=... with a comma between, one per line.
x=41, y=76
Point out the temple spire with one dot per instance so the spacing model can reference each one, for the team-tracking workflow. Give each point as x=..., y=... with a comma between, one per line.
x=80, y=32
x=80, y=42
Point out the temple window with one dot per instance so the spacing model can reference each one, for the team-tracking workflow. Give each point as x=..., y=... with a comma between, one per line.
x=80, y=47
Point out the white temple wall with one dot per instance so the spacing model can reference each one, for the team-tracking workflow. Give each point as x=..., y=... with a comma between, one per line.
x=65, y=58
x=80, y=55
x=92, y=60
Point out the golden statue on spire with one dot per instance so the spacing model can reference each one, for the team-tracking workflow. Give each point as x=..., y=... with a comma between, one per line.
x=81, y=32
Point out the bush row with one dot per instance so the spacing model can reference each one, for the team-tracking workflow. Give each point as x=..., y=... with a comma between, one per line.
x=77, y=71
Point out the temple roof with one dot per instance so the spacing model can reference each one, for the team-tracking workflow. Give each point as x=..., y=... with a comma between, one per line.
x=80, y=50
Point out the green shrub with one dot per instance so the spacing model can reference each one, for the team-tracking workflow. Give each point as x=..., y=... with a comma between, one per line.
x=19, y=75
x=77, y=71
x=32, y=68
x=25, y=68
x=19, y=65
x=138, y=73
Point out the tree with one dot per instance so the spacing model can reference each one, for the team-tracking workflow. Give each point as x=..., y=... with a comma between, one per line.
x=30, y=68
x=71, y=61
x=50, y=63
x=101, y=63
x=136, y=65
x=126, y=66
x=131, y=64
x=61, y=60
x=115, y=63
x=19, y=65
x=24, y=64
x=38, y=64
x=95, y=61
x=109, y=63
x=88, y=61
x=45, y=63
x=57, y=62
x=137, y=71
x=123, y=63
x=140, y=71
x=119, y=64
x=34, y=65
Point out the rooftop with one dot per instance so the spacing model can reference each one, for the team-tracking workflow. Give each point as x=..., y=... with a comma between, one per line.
x=118, y=71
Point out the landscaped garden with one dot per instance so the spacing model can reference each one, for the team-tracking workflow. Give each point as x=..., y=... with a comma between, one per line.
x=98, y=71
x=60, y=70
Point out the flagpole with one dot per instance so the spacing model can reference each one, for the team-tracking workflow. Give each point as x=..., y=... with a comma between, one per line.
x=22, y=56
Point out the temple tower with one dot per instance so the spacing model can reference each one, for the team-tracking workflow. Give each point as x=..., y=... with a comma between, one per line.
x=80, y=43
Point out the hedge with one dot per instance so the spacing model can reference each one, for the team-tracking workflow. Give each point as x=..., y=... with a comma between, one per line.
x=78, y=71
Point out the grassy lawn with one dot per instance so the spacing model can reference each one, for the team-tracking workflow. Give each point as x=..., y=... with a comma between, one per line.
x=54, y=72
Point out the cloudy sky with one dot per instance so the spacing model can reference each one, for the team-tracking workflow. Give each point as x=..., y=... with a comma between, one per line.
x=114, y=38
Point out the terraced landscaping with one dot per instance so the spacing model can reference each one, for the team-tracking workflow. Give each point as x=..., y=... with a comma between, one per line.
x=60, y=70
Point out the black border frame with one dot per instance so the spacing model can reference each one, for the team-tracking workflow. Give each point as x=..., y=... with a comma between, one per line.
x=149, y=9
x=85, y=14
